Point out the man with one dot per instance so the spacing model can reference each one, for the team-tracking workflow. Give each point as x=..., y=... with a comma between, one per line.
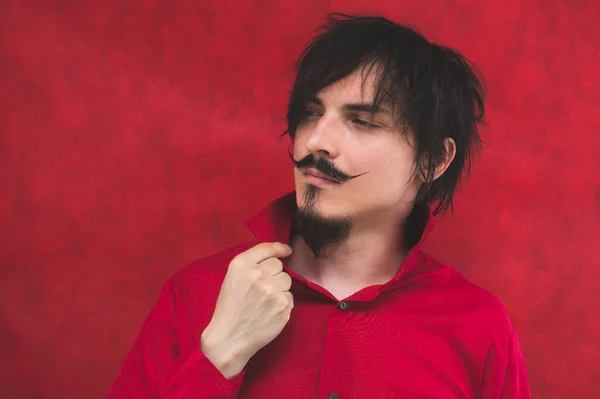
x=337, y=300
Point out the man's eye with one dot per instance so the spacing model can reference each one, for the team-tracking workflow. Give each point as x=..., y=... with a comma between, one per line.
x=365, y=124
x=311, y=113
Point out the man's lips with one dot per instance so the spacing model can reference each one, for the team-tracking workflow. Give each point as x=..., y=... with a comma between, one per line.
x=314, y=172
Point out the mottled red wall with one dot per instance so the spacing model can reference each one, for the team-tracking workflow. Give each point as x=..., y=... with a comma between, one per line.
x=137, y=135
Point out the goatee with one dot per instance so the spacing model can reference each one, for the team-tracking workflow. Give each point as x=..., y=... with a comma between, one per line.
x=318, y=231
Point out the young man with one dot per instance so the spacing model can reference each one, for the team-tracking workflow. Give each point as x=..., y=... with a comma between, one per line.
x=337, y=300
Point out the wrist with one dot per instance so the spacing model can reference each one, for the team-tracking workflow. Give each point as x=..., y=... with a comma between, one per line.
x=222, y=354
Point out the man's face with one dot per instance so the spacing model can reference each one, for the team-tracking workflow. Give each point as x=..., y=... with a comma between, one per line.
x=338, y=128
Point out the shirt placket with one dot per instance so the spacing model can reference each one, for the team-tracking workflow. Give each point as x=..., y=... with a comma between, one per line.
x=334, y=382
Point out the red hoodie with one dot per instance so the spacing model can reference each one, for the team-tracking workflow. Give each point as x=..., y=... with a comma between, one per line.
x=427, y=333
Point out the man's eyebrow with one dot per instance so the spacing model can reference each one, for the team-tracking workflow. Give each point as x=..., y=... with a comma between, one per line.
x=356, y=107
x=366, y=107
x=315, y=100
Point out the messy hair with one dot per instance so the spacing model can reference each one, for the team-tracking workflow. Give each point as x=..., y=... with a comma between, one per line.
x=438, y=92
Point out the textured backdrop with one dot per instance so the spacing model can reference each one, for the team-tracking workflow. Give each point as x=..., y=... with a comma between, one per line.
x=137, y=135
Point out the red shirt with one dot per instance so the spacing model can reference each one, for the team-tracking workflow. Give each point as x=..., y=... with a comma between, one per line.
x=427, y=333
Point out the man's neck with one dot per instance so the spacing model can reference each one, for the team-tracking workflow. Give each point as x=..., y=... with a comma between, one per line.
x=369, y=256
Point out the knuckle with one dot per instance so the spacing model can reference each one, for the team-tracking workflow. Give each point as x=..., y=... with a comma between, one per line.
x=286, y=281
x=255, y=275
x=265, y=263
x=236, y=263
x=289, y=299
x=268, y=291
x=274, y=265
x=283, y=302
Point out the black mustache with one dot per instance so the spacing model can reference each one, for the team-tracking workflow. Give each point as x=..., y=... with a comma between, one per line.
x=324, y=166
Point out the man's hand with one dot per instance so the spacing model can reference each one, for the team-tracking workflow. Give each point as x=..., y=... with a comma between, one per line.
x=252, y=309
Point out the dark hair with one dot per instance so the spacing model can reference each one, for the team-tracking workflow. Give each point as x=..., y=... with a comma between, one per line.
x=437, y=90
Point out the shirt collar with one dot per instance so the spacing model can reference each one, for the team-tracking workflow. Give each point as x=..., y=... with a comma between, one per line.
x=273, y=222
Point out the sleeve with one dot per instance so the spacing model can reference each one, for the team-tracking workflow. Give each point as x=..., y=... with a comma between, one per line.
x=504, y=372
x=155, y=368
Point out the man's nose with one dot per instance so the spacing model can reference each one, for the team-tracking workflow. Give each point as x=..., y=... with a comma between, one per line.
x=325, y=137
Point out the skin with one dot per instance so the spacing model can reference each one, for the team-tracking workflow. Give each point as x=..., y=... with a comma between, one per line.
x=254, y=303
x=378, y=202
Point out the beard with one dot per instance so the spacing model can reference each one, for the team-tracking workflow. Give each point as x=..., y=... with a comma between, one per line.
x=316, y=230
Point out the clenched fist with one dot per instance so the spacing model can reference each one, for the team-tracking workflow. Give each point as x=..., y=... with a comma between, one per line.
x=252, y=308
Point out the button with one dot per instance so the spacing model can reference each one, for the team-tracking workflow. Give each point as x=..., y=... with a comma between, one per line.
x=343, y=306
x=334, y=395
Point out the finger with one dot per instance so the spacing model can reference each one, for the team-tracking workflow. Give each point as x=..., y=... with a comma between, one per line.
x=282, y=282
x=290, y=298
x=271, y=266
x=266, y=250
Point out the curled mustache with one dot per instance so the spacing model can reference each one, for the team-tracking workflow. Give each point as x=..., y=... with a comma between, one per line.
x=324, y=166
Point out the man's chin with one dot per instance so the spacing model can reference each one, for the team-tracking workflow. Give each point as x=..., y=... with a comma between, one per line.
x=319, y=230
x=324, y=215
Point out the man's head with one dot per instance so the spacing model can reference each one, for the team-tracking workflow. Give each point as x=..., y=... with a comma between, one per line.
x=388, y=116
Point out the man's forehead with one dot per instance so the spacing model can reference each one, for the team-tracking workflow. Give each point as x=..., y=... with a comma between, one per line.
x=358, y=86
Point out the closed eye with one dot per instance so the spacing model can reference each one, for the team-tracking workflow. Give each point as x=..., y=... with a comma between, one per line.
x=365, y=124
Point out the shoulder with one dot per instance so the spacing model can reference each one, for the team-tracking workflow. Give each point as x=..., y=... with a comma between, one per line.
x=482, y=308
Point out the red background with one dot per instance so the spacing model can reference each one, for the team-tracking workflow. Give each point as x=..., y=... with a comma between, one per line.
x=137, y=135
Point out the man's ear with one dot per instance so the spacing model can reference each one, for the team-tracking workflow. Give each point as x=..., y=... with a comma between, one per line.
x=449, y=154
